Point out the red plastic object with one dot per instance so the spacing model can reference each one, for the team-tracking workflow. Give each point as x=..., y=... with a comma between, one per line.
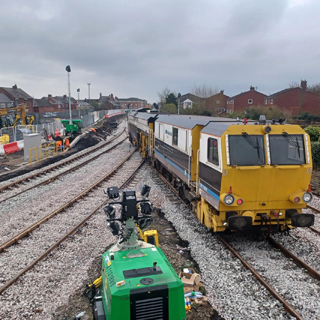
x=11, y=147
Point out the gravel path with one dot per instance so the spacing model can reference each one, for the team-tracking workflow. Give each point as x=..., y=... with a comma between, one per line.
x=47, y=286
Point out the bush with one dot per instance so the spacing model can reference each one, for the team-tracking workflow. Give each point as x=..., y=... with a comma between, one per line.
x=315, y=148
x=313, y=132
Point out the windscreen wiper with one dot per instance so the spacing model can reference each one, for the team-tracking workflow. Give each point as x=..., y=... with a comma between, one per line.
x=292, y=142
x=250, y=140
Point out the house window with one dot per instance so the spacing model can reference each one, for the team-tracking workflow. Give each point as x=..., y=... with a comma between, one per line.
x=250, y=101
x=3, y=105
x=271, y=101
x=175, y=136
x=213, y=154
x=217, y=101
x=265, y=101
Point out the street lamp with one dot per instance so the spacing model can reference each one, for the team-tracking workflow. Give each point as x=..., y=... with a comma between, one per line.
x=68, y=69
x=78, y=90
x=89, y=91
x=179, y=96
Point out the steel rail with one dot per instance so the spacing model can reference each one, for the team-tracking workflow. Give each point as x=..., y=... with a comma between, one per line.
x=286, y=305
x=294, y=258
x=315, y=230
x=9, y=185
x=35, y=225
x=73, y=230
x=47, y=181
x=313, y=208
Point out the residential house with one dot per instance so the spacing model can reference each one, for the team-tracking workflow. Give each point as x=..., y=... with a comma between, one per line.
x=18, y=96
x=244, y=100
x=295, y=100
x=188, y=99
x=132, y=103
x=217, y=103
x=61, y=103
x=5, y=101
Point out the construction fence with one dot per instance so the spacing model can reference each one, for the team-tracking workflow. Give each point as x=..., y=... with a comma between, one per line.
x=51, y=125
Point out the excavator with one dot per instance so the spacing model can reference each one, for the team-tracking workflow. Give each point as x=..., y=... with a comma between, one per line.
x=20, y=112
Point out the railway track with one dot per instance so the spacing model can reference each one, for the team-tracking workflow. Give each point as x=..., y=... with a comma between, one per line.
x=45, y=239
x=62, y=173
x=301, y=264
x=58, y=165
x=293, y=311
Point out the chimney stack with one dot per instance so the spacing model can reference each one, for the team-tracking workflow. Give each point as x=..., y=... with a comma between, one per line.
x=49, y=96
x=100, y=94
x=14, y=87
x=304, y=85
x=251, y=88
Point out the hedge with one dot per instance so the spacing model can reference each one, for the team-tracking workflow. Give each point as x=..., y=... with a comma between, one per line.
x=315, y=147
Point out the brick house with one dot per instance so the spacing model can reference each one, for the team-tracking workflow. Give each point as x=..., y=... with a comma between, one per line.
x=54, y=104
x=61, y=103
x=133, y=103
x=296, y=100
x=244, y=100
x=217, y=103
x=115, y=103
x=18, y=96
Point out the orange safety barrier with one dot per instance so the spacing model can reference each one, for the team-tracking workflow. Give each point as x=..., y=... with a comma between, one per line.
x=11, y=147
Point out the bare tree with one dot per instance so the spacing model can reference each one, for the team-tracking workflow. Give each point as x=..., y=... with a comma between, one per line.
x=163, y=94
x=293, y=84
x=315, y=88
x=204, y=91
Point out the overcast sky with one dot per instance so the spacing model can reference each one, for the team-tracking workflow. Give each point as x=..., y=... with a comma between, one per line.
x=136, y=48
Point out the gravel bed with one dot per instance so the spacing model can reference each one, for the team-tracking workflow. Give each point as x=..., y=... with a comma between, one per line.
x=303, y=242
x=21, y=211
x=51, y=174
x=49, y=284
x=232, y=290
x=296, y=286
x=120, y=128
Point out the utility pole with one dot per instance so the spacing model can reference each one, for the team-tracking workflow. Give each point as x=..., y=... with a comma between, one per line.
x=179, y=96
x=89, y=91
x=78, y=90
x=68, y=69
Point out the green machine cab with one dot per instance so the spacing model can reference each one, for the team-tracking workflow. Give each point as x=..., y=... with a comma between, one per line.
x=138, y=282
x=74, y=128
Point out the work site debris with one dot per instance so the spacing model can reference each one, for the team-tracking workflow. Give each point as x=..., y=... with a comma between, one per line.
x=192, y=286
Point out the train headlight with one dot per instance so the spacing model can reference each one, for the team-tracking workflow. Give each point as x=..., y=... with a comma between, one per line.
x=228, y=199
x=307, y=197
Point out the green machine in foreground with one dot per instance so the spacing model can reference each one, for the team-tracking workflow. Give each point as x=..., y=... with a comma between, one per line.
x=138, y=282
x=74, y=128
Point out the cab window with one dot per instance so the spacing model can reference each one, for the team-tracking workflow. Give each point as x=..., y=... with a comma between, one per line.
x=213, y=154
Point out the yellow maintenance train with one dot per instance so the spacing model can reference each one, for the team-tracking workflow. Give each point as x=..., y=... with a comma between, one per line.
x=236, y=175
